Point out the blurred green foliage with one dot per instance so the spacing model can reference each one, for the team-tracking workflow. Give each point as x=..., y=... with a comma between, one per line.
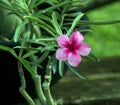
x=105, y=39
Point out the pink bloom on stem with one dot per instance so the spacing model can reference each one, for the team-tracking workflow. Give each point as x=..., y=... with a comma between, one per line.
x=72, y=48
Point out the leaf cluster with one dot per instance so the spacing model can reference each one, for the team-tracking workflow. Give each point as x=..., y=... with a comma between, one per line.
x=42, y=22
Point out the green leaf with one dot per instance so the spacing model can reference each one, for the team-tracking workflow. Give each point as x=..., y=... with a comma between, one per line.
x=73, y=69
x=31, y=4
x=61, y=68
x=54, y=64
x=34, y=3
x=92, y=57
x=31, y=41
x=55, y=23
x=27, y=66
x=43, y=57
x=53, y=7
x=48, y=48
x=49, y=29
x=29, y=54
x=8, y=49
x=19, y=30
x=5, y=5
x=43, y=25
x=61, y=4
x=29, y=48
x=44, y=17
x=75, y=22
x=45, y=39
x=66, y=8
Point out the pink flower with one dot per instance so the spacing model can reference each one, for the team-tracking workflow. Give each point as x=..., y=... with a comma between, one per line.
x=72, y=48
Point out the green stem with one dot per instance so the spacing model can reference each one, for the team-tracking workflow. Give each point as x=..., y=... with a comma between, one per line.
x=46, y=85
x=26, y=96
x=23, y=86
x=37, y=82
x=48, y=95
x=38, y=87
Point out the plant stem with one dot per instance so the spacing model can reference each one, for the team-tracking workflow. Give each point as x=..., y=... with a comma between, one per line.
x=23, y=86
x=37, y=82
x=26, y=96
x=38, y=88
x=46, y=84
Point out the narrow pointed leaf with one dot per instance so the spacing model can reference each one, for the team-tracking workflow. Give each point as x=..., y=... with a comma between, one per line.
x=8, y=49
x=29, y=53
x=61, y=68
x=19, y=30
x=54, y=64
x=75, y=22
x=27, y=66
x=43, y=57
x=92, y=57
x=35, y=3
x=44, y=25
x=6, y=6
x=61, y=4
x=55, y=23
x=73, y=69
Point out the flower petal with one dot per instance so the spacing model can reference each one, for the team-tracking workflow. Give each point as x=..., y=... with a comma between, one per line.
x=84, y=49
x=63, y=41
x=62, y=54
x=76, y=37
x=74, y=59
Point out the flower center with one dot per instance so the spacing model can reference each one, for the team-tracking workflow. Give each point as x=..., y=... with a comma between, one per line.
x=71, y=47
